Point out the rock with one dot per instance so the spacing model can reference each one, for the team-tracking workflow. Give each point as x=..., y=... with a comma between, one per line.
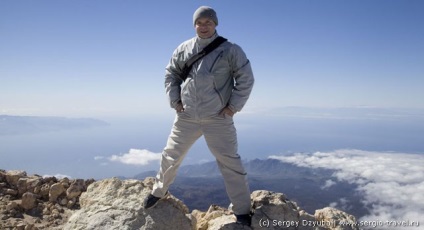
x=272, y=211
x=55, y=191
x=10, y=191
x=221, y=219
x=11, y=206
x=22, y=185
x=2, y=175
x=13, y=176
x=214, y=218
x=332, y=216
x=305, y=220
x=29, y=201
x=272, y=207
x=63, y=201
x=2, y=185
x=75, y=189
x=25, y=200
x=44, y=191
x=28, y=184
x=33, y=202
x=116, y=204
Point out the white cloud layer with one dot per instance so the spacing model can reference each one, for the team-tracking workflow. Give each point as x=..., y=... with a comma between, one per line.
x=58, y=176
x=136, y=157
x=392, y=183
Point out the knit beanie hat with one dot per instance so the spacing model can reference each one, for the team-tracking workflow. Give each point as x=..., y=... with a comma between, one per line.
x=205, y=12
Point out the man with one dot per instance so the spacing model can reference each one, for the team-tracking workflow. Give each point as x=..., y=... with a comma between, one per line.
x=217, y=86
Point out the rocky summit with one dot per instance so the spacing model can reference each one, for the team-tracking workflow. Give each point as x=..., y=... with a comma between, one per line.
x=34, y=202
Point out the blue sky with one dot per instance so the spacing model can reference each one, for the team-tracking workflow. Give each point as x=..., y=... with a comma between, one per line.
x=107, y=58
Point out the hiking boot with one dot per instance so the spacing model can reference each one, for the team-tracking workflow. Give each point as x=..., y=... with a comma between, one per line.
x=151, y=201
x=245, y=219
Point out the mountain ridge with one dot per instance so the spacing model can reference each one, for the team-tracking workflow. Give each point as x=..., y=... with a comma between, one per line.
x=202, y=184
x=255, y=168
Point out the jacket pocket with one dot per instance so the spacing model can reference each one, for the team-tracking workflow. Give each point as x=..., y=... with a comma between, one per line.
x=219, y=93
x=216, y=60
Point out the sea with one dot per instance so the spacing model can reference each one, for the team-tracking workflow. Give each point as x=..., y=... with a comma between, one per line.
x=86, y=152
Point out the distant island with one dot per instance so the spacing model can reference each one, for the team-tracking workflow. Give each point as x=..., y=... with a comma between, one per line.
x=15, y=125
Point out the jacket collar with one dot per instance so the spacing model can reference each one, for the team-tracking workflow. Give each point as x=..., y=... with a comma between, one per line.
x=202, y=42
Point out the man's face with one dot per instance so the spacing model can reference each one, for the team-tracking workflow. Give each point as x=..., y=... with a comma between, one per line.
x=205, y=27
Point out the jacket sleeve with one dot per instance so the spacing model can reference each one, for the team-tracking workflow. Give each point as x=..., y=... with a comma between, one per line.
x=172, y=80
x=243, y=79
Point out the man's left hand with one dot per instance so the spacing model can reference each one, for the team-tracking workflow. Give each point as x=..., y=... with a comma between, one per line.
x=227, y=111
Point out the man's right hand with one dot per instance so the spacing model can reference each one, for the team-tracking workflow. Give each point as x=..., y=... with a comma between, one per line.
x=179, y=108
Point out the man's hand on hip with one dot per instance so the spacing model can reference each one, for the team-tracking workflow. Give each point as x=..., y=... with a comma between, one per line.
x=179, y=108
x=227, y=111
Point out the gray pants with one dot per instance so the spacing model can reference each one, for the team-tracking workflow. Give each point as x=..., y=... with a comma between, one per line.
x=221, y=138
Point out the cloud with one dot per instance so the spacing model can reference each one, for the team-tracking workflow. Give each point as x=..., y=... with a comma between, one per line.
x=58, y=176
x=136, y=157
x=328, y=184
x=392, y=183
x=97, y=158
x=342, y=203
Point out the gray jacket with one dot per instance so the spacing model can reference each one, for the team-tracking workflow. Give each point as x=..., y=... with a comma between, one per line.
x=222, y=78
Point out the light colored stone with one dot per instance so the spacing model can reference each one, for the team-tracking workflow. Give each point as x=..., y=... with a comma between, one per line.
x=273, y=206
x=29, y=201
x=55, y=191
x=75, y=189
x=11, y=206
x=10, y=191
x=215, y=216
x=116, y=204
x=13, y=176
x=332, y=217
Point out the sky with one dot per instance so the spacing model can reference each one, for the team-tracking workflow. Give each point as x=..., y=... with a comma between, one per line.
x=107, y=58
